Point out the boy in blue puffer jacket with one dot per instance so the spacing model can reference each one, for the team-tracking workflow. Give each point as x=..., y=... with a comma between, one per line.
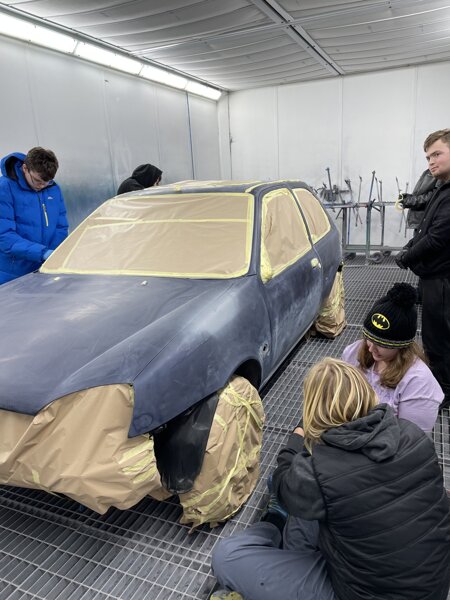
x=33, y=218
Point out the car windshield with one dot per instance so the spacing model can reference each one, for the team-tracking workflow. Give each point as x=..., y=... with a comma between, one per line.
x=172, y=235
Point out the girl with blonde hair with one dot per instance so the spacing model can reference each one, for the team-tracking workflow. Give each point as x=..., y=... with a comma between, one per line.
x=368, y=512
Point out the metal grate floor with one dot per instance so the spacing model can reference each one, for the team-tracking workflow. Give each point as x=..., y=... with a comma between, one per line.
x=50, y=548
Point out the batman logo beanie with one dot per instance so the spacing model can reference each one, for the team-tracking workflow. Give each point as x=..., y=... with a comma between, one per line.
x=392, y=320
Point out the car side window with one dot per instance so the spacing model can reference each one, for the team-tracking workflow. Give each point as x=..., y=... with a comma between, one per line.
x=314, y=213
x=284, y=238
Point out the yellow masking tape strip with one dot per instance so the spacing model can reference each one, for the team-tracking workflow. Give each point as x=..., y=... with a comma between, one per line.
x=242, y=271
x=36, y=477
x=140, y=478
x=221, y=422
x=144, y=463
x=144, y=447
x=147, y=221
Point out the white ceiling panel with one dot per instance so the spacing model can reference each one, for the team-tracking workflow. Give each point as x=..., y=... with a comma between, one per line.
x=238, y=44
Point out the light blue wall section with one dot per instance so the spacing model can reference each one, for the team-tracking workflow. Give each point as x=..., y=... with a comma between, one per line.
x=101, y=123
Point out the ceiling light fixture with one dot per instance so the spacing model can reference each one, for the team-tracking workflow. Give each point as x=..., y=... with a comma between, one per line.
x=28, y=31
x=162, y=76
x=203, y=90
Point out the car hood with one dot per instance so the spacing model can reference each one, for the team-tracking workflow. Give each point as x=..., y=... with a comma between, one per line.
x=67, y=333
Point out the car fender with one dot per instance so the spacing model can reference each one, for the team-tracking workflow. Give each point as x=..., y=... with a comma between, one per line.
x=200, y=360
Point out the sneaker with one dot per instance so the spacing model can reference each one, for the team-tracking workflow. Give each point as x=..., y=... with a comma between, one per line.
x=274, y=512
x=225, y=595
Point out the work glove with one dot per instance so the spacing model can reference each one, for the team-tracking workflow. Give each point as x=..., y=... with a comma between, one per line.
x=46, y=254
x=403, y=199
x=400, y=258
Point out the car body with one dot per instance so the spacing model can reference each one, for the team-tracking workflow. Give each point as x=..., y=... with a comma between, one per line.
x=170, y=291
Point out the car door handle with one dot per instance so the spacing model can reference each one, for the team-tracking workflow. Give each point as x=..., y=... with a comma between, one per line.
x=315, y=263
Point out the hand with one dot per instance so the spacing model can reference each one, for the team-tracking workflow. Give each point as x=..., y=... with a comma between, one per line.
x=403, y=199
x=299, y=431
x=400, y=258
x=46, y=254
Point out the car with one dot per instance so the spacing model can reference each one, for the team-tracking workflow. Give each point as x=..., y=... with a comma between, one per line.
x=115, y=354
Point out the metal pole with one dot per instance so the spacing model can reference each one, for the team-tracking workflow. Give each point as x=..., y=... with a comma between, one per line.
x=369, y=218
x=329, y=183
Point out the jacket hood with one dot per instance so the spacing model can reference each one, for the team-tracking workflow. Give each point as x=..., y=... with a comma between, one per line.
x=376, y=435
x=11, y=167
x=146, y=175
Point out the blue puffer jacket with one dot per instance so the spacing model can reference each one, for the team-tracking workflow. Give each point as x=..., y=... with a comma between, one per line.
x=30, y=222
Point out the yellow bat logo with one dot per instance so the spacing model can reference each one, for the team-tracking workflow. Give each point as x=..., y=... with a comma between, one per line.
x=380, y=321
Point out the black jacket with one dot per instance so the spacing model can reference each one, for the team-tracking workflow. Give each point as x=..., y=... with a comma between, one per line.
x=376, y=489
x=428, y=253
x=417, y=201
x=143, y=176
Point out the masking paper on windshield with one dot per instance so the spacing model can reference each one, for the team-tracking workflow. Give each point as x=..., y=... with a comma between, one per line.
x=182, y=235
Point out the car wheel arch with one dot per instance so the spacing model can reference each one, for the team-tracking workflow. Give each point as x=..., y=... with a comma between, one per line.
x=251, y=370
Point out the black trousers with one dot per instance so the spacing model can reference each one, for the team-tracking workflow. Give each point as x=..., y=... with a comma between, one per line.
x=436, y=329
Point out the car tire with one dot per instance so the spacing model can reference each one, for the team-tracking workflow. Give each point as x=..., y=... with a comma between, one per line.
x=230, y=468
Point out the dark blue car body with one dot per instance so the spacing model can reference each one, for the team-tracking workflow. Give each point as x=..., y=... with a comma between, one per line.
x=175, y=340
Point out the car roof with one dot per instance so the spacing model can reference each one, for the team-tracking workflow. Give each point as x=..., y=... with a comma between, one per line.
x=193, y=186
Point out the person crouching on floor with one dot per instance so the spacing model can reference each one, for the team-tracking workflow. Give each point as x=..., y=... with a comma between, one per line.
x=368, y=513
x=393, y=362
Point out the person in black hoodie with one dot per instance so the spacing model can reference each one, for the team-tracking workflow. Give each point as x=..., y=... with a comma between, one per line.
x=368, y=513
x=428, y=256
x=143, y=176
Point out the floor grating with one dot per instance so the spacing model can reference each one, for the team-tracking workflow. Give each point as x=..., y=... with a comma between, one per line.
x=51, y=548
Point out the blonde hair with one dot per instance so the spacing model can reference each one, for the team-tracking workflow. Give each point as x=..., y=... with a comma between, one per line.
x=396, y=368
x=334, y=393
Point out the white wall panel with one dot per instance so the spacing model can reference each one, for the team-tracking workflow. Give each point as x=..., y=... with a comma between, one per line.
x=432, y=112
x=172, y=118
x=18, y=125
x=378, y=113
x=223, y=109
x=132, y=124
x=254, y=134
x=204, y=137
x=309, y=128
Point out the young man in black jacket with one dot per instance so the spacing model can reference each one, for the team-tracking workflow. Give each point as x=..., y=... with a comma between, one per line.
x=428, y=256
x=368, y=512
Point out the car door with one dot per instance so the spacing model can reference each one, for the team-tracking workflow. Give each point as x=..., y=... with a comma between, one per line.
x=290, y=271
x=324, y=236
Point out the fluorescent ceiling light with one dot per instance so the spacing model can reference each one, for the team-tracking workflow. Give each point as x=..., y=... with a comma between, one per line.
x=108, y=58
x=29, y=32
x=15, y=27
x=130, y=65
x=53, y=39
x=203, y=90
x=161, y=76
x=94, y=53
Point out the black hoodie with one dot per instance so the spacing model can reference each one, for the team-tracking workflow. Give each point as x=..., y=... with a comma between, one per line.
x=376, y=488
x=143, y=176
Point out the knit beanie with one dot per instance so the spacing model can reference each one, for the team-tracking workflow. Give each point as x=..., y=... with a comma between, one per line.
x=392, y=320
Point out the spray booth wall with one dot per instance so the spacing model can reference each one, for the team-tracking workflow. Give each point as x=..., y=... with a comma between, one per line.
x=354, y=125
x=101, y=124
